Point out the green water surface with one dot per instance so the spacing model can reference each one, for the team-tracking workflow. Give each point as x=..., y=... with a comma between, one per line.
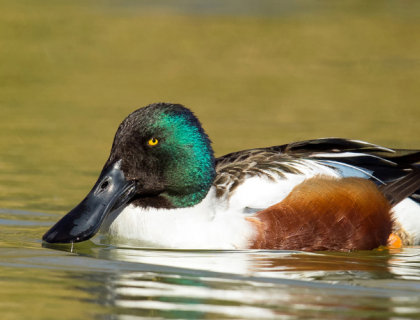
x=256, y=73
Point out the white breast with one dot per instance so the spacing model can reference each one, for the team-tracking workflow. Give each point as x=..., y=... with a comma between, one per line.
x=204, y=226
x=213, y=223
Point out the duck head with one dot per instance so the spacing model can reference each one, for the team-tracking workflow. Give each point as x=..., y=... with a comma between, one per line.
x=161, y=157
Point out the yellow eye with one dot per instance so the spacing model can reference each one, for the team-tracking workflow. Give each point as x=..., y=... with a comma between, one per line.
x=153, y=142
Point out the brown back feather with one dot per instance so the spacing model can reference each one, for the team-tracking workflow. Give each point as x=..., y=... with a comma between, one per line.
x=326, y=213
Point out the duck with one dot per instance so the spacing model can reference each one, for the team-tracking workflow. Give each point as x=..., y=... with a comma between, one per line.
x=163, y=187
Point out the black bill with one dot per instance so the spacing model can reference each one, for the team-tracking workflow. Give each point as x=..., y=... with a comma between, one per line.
x=110, y=193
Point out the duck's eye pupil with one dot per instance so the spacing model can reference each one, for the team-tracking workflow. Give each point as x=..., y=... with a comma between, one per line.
x=153, y=142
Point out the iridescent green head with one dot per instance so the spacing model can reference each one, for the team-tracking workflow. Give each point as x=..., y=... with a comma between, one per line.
x=166, y=151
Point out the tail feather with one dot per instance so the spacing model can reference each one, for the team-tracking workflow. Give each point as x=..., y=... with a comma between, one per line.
x=400, y=189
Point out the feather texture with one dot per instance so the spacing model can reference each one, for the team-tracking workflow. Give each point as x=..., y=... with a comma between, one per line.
x=325, y=213
x=381, y=165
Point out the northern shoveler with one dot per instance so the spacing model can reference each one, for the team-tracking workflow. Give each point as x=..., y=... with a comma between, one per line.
x=162, y=186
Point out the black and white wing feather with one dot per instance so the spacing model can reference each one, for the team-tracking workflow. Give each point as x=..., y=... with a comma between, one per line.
x=348, y=157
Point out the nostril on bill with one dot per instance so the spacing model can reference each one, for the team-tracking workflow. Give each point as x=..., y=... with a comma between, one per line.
x=104, y=185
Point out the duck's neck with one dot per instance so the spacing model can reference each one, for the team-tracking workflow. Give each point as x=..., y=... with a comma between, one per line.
x=170, y=200
x=185, y=200
x=190, y=172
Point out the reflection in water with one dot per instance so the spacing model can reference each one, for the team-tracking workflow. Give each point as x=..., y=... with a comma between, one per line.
x=131, y=283
x=255, y=284
x=174, y=294
x=326, y=266
x=405, y=265
x=150, y=294
x=291, y=264
x=195, y=296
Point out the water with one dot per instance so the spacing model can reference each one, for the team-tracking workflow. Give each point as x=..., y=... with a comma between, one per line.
x=98, y=280
x=256, y=75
